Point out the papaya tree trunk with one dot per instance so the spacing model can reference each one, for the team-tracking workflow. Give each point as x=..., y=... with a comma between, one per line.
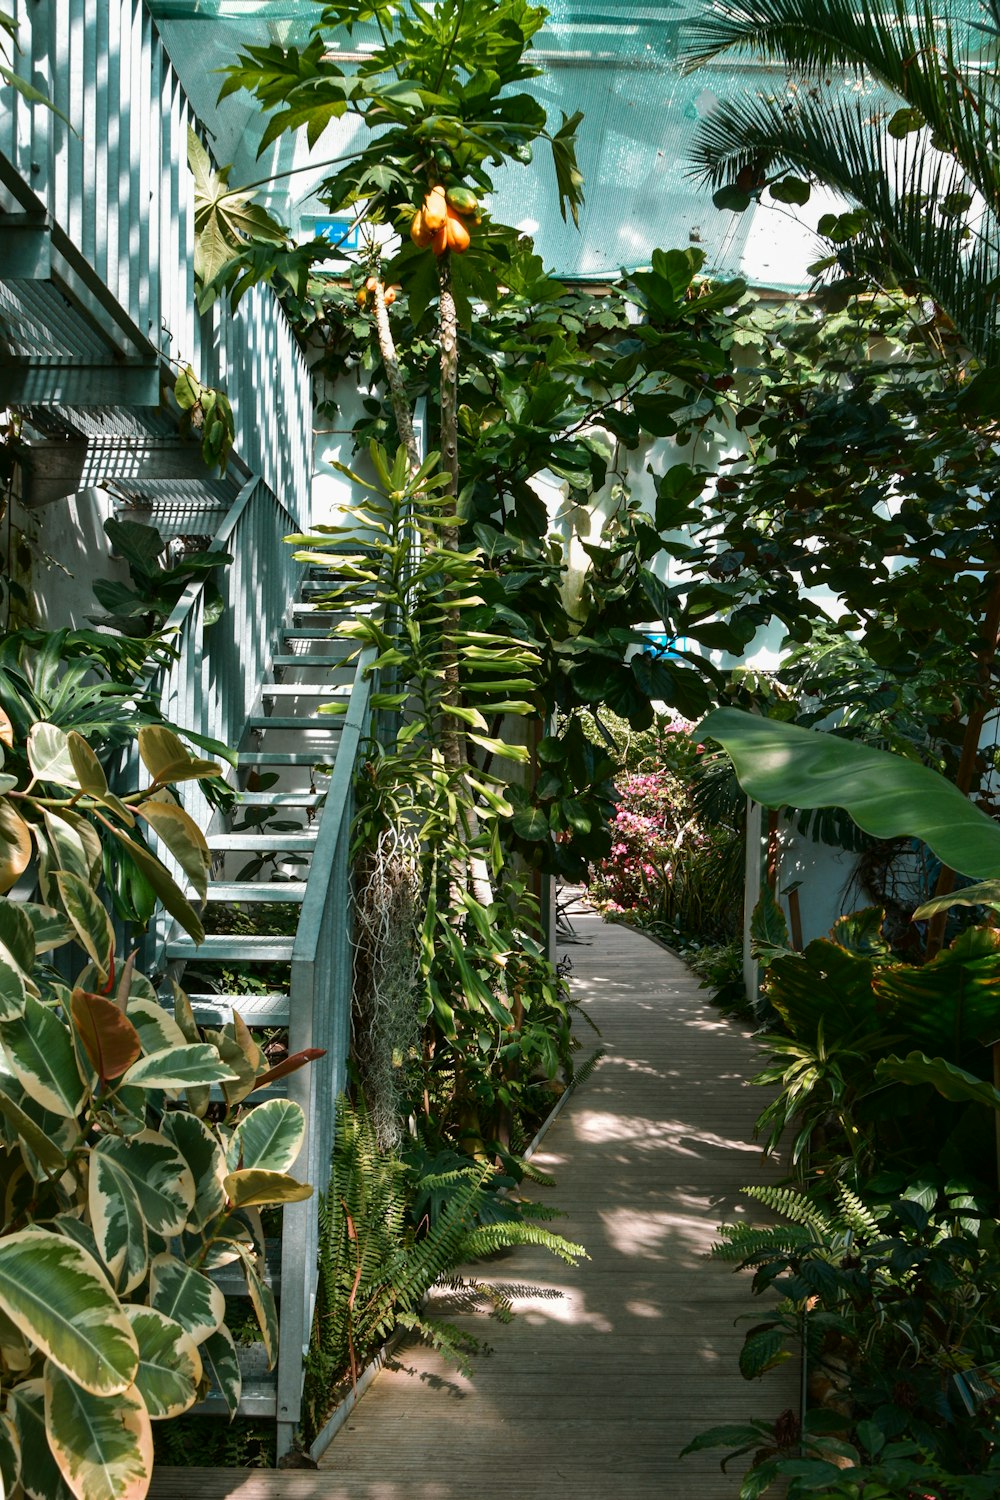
x=397, y=390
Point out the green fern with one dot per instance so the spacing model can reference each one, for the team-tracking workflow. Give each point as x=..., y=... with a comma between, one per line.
x=792, y=1205
x=376, y=1267
x=857, y=1216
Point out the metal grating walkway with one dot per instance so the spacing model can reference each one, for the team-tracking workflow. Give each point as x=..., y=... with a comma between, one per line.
x=591, y=1393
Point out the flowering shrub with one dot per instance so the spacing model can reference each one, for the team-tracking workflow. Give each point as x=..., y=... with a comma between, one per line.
x=666, y=866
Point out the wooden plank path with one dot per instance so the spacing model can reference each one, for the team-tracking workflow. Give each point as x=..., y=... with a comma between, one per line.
x=609, y=1368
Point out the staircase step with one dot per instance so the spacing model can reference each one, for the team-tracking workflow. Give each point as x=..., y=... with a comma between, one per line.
x=271, y=1009
x=280, y=799
x=324, y=689
x=327, y=722
x=257, y=843
x=220, y=947
x=319, y=635
x=233, y=1283
x=312, y=658
x=281, y=758
x=234, y=891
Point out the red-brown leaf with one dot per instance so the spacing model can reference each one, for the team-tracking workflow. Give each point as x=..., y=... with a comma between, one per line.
x=109, y=1038
x=290, y=1065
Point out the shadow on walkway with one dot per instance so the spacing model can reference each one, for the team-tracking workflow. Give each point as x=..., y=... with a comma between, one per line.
x=608, y=1369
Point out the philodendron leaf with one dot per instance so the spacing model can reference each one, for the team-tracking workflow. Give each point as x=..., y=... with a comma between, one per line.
x=951, y=1082
x=10, y=1454
x=26, y=1404
x=89, y=772
x=58, y=1296
x=157, y=1028
x=197, y=1144
x=270, y=1136
x=50, y=1157
x=182, y=836
x=192, y=1299
x=49, y=755
x=221, y=1365
x=92, y=923
x=13, y=994
x=15, y=845
x=785, y=765
x=40, y=1052
x=118, y=1221
x=109, y=1038
x=165, y=887
x=167, y=758
x=178, y=1067
x=257, y=1188
x=170, y=1368
x=161, y=1177
x=102, y=1445
x=262, y=1300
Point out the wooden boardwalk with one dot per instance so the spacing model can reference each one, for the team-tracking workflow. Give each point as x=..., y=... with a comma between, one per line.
x=608, y=1369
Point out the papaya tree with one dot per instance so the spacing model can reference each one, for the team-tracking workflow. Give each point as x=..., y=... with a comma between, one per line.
x=479, y=627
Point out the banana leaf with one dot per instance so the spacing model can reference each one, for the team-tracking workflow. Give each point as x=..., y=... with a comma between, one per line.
x=783, y=765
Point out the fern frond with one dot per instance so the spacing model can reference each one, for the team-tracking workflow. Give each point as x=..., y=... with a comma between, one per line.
x=750, y=1245
x=490, y=1239
x=793, y=1205
x=857, y=1216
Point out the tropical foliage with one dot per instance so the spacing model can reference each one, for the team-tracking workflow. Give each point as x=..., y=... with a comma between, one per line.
x=124, y=1185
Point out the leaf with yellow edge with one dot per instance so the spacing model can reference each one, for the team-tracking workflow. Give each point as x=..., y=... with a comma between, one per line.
x=102, y=1445
x=257, y=1187
x=182, y=836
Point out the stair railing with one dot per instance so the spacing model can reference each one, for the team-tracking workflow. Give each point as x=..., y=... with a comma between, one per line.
x=320, y=1016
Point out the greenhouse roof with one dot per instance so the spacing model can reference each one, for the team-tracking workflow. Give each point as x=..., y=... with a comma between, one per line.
x=616, y=60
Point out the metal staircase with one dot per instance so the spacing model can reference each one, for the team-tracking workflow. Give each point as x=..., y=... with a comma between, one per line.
x=293, y=832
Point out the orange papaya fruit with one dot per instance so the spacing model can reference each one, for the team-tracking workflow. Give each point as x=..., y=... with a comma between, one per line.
x=458, y=235
x=435, y=209
x=420, y=232
x=439, y=244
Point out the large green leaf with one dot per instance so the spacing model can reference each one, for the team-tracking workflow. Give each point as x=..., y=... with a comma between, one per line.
x=167, y=759
x=13, y=994
x=259, y=1188
x=270, y=1136
x=952, y=1004
x=201, y=1150
x=170, y=1368
x=73, y=844
x=165, y=887
x=40, y=1476
x=951, y=1082
x=784, y=765
x=178, y=1067
x=90, y=920
x=118, y=1221
x=58, y=1296
x=49, y=755
x=182, y=836
x=225, y=218
x=17, y=937
x=31, y=1134
x=262, y=1301
x=10, y=1454
x=161, y=1177
x=222, y=1367
x=184, y=1294
x=158, y=1031
x=103, y=1445
x=40, y=1052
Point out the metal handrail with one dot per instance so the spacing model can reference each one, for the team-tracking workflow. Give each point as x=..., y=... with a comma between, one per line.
x=320, y=1014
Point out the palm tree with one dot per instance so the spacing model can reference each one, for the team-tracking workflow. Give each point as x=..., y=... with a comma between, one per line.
x=913, y=145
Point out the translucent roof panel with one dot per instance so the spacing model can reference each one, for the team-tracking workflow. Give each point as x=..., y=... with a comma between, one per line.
x=614, y=59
